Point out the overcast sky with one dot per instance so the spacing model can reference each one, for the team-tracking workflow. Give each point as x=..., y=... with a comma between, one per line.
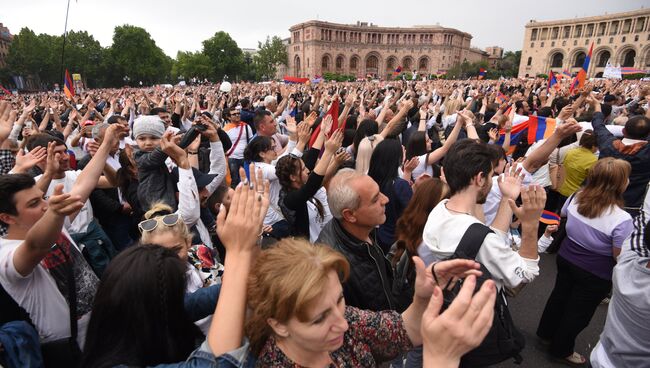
x=183, y=24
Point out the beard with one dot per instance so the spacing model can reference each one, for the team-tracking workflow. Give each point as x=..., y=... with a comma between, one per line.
x=484, y=192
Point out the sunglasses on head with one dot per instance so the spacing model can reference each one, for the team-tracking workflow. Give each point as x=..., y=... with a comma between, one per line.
x=151, y=224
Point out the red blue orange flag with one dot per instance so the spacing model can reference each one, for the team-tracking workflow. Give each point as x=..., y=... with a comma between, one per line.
x=579, y=82
x=551, y=81
x=501, y=97
x=549, y=218
x=68, y=86
x=481, y=73
x=534, y=129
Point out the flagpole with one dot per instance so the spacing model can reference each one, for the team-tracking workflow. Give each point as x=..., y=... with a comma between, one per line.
x=65, y=33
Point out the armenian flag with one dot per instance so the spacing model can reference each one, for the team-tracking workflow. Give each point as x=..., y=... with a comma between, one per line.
x=397, y=70
x=334, y=111
x=501, y=97
x=549, y=218
x=288, y=79
x=482, y=73
x=552, y=81
x=535, y=129
x=629, y=70
x=579, y=81
x=68, y=86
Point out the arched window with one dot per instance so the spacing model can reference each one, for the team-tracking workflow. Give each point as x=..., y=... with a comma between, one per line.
x=556, y=61
x=325, y=63
x=354, y=63
x=628, y=58
x=296, y=66
x=372, y=62
x=603, y=58
x=423, y=64
x=530, y=61
x=391, y=63
x=407, y=63
x=339, y=62
x=580, y=59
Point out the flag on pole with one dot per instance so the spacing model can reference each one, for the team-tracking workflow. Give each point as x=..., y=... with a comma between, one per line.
x=482, y=73
x=579, y=82
x=68, y=87
x=552, y=81
x=398, y=70
x=334, y=111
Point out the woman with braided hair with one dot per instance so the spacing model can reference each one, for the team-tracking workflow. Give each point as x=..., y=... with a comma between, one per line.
x=303, y=199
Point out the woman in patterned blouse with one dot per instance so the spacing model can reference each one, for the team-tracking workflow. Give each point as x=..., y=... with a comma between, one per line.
x=299, y=317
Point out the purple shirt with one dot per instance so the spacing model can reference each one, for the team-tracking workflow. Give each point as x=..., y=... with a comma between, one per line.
x=589, y=242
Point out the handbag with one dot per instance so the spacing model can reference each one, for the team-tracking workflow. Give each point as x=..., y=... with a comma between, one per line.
x=65, y=352
x=557, y=174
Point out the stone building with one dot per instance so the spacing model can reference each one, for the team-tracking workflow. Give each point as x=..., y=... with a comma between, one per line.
x=363, y=49
x=621, y=38
x=5, y=41
x=495, y=54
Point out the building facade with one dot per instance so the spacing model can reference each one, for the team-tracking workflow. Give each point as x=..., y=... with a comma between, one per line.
x=364, y=49
x=621, y=38
x=5, y=41
x=495, y=54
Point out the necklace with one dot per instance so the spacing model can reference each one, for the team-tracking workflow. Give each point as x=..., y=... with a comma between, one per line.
x=461, y=212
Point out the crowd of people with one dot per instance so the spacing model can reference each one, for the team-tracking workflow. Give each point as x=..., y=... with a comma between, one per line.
x=356, y=224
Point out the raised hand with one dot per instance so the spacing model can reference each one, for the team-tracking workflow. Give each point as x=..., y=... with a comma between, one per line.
x=171, y=148
x=7, y=119
x=53, y=164
x=304, y=133
x=533, y=199
x=567, y=129
x=493, y=134
x=25, y=161
x=63, y=204
x=446, y=273
x=460, y=328
x=311, y=118
x=240, y=228
x=326, y=124
x=410, y=165
x=334, y=142
x=291, y=125
x=510, y=181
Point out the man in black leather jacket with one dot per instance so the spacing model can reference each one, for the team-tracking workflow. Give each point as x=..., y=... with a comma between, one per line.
x=358, y=208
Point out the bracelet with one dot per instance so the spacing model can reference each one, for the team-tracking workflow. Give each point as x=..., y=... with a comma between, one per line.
x=192, y=152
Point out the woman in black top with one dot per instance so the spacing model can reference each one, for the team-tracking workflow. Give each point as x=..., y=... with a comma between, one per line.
x=299, y=186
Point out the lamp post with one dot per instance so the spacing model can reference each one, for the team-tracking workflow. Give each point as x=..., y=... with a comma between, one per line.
x=126, y=79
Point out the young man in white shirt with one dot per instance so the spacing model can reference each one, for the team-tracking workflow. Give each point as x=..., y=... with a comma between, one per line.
x=468, y=170
x=37, y=254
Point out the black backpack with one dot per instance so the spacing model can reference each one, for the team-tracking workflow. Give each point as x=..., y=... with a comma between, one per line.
x=504, y=340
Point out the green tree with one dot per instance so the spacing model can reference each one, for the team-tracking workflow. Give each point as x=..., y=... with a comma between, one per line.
x=28, y=54
x=191, y=64
x=135, y=54
x=271, y=54
x=226, y=58
x=83, y=55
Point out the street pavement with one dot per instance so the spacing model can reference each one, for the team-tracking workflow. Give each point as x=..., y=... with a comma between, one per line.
x=526, y=309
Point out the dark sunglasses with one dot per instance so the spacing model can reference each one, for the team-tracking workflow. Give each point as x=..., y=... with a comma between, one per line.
x=151, y=224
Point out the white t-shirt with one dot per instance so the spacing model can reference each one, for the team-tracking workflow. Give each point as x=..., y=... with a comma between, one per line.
x=274, y=214
x=85, y=216
x=491, y=205
x=541, y=176
x=233, y=134
x=443, y=232
x=315, y=222
x=41, y=292
x=423, y=168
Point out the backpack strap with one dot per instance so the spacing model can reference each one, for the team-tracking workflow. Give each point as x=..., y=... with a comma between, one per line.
x=471, y=241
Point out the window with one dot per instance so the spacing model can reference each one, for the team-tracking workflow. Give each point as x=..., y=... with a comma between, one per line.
x=556, y=60
x=640, y=25
x=553, y=44
x=590, y=30
x=554, y=33
x=575, y=43
x=601, y=29
x=532, y=44
x=611, y=40
x=623, y=39
x=533, y=35
x=627, y=26
x=579, y=60
x=325, y=63
x=567, y=32
x=603, y=58
x=636, y=38
x=628, y=58
x=613, y=29
x=339, y=62
x=578, y=31
x=530, y=61
x=354, y=63
x=563, y=43
x=542, y=44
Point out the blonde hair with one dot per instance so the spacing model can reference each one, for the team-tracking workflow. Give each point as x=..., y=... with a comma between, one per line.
x=452, y=105
x=160, y=209
x=606, y=182
x=285, y=282
x=364, y=152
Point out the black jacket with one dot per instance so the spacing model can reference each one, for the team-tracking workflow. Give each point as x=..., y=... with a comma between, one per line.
x=638, y=155
x=370, y=283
